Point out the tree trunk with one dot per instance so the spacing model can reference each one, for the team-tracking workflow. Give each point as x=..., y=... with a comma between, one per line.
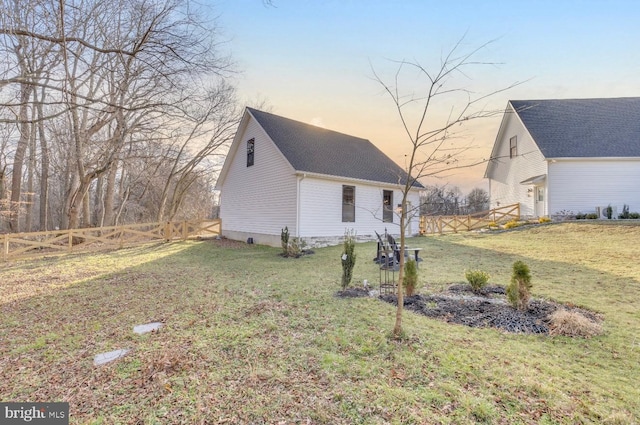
x=108, y=208
x=44, y=167
x=18, y=158
x=86, y=209
x=30, y=198
x=397, y=329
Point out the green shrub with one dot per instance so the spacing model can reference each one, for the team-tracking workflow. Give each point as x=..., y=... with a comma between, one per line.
x=519, y=290
x=284, y=241
x=410, y=279
x=608, y=211
x=348, y=258
x=581, y=216
x=291, y=247
x=634, y=215
x=625, y=212
x=591, y=216
x=477, y=279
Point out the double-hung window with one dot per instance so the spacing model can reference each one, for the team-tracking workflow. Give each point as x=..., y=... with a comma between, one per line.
x=348, y=203
x=513, y=147
x=250, y=151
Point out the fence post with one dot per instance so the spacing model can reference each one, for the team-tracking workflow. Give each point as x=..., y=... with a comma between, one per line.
x=70, y=240
x=185, y=232
x=167, y=231
x=5, y=248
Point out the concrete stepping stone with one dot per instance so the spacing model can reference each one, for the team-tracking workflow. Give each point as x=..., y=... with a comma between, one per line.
x=103, y=358
x=148, y=327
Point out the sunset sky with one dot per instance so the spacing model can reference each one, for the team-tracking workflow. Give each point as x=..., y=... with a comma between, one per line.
x=312, y=60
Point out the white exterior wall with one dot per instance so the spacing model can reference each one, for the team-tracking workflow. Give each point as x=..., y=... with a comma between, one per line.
x=321, y=209
x=580, y=185
x=260, y=200
x=505, y=174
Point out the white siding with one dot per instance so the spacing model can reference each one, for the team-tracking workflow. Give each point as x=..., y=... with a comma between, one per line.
x=581, y=185
x=260, y=199
x=321, y=208
x=506, y=173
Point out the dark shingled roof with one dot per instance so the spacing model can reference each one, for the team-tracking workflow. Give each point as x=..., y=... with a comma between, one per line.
x=583, y=128
x=316, y=150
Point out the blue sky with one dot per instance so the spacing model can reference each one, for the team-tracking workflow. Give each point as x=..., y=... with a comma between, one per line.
x=311, y=60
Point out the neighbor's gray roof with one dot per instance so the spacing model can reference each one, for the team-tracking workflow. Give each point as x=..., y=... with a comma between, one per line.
x=316, y=150
x=583, y=128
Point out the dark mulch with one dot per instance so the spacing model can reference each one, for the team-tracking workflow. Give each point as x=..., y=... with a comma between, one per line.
x=488, y=308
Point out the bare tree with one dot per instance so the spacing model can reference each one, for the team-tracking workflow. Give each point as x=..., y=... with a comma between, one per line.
x=441, y=200
x=211, y=121
x=91, y=85
x=477, y=200
x=434, y=146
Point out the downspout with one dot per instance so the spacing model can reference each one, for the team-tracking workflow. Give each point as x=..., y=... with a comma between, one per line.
x=298, y=206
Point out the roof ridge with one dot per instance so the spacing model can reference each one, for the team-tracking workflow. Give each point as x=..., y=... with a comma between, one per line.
x=280, y=117
x=576, y=98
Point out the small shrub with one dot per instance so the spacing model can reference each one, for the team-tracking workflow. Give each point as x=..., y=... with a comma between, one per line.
x=291, y=247
x=512, y=224
x=591, y=216
x=477, y=279
x=608, y=211
x=625, y=212
x=581, y=216
x=284, y=241
x=519, y=290
x=572, y=323
x=543, y=220
x=348, y=258
x=295, y=247
x=410, y=279
x=634, y=215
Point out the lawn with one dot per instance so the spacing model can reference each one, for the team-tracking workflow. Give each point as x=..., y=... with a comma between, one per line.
x=252, y=337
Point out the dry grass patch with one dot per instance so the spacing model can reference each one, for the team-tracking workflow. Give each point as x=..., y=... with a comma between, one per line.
x=573, y=323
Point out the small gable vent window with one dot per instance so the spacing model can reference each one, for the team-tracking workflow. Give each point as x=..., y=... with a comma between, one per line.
x=348, y=203
x=250, y=151
x=513, y=147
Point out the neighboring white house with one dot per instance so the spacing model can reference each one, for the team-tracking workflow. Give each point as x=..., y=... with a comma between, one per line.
x=559, y=157
x=319, y=183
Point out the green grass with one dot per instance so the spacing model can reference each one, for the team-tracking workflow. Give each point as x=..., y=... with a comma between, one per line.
x=251, y=337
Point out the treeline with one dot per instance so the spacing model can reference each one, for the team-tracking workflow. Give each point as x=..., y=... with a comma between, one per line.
x=443, y=200
x=111, y=111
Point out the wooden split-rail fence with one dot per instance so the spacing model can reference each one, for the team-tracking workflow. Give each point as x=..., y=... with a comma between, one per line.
x=454, y=223
x=33, y=244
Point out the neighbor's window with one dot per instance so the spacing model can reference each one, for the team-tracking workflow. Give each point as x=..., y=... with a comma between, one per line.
x=387, y=206
x=348, y=203
x=513, y=147
x=250, y=151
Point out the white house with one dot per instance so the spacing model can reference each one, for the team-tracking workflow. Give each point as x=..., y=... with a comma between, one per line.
x=317, y=182
x=560, y=157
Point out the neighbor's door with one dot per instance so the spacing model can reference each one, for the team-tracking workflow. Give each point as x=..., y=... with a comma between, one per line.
x=539, y=201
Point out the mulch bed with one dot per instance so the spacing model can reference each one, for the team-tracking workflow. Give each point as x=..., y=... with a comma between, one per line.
x=487, y=308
